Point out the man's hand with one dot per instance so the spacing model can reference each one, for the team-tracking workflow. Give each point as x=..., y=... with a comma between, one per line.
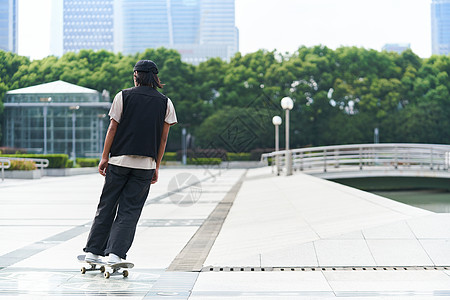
x=112, y=129
x=155, y=176
x=102, y=166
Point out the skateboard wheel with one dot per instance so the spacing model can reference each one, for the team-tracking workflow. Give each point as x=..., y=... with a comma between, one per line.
x=102, y=269
x=83, y=270
x=107, y=275
x=125, y=273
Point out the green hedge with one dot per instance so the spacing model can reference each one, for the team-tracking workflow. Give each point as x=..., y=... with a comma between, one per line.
x=255, y=154
x=206, y=153
x=238, y=156
x=203, y=161
x=170, y=156
x=56, y=161
x=69, y=164
x=88, y=162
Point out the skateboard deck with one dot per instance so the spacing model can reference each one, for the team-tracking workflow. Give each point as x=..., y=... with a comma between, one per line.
x=101, y=266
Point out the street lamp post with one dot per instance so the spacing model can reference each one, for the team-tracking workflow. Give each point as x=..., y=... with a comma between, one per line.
x=45, y=111
x=183, y=146
x=277, y=122
x=74, y=119
x=376, y=136
x=287, y=104
x=185, y=136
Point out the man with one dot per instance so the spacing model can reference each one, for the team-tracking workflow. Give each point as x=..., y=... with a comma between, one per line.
x=134, y=146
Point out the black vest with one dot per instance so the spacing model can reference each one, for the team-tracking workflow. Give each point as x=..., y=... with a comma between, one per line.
x=141, y=124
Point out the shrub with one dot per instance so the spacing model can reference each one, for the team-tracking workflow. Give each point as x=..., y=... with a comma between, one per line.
x=9, y=150
x=238, y=156
x=88, y=162
x=256, y=153
x=56, y=161
x=22, y=165
x=204, y=161
x=204, y=153
x=69, y=163
x=170, y=156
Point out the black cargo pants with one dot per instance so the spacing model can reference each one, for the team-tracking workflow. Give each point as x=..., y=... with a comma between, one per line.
x=123, y=197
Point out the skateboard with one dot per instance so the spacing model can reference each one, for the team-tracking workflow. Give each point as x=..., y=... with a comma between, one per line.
x=101, y=266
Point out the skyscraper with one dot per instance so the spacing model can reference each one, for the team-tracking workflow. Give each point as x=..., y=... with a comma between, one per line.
x=8, y=25
x=399, y=48
x=440, y=26
x=218, y=25
x=57, y=28
x=198, y=29
x=144, y=24
x=88, y=24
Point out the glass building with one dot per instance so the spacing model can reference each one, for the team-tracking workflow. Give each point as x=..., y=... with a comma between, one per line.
x=88, y=24
x=145, y=24
x=218, y=25
x=198, y=29
x=53, y=117
x=8, y=25
x=440, y=26
x=399, y=48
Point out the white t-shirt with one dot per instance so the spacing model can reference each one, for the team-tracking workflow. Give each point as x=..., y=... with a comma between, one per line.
x=135, y=161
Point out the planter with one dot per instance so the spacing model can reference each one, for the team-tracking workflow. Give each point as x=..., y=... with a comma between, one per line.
x=70, y=171
x=34, y=174
x=242, y=164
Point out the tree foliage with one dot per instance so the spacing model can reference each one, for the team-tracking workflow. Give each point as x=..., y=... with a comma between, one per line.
x=340, y=95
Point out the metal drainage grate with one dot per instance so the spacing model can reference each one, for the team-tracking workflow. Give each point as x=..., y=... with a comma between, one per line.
x=313, y=269
x=237, y=269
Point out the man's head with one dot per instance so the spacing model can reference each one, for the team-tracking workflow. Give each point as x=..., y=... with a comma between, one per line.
x=146, y=66
x=145, y=73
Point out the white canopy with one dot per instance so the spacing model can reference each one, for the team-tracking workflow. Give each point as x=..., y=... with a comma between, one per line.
x=55, y=87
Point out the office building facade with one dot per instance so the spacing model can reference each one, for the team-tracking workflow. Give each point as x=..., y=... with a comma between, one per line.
x=8, y=25
x=88, y=24
x=218, y=25
x=440, y=26
x=198, y=29
x=399, y=48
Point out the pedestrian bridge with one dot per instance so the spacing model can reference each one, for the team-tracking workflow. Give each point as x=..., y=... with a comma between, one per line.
x=366, y=160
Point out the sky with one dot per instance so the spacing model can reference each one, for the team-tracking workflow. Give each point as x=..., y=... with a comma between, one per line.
x=285, y=25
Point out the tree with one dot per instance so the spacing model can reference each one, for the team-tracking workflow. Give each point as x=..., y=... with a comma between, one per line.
x=340, y=95
x=236, y=130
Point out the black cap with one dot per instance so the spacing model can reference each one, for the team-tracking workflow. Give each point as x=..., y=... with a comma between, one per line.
x=146, y=66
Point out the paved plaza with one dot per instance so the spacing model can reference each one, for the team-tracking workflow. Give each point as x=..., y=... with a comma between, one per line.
x=226, y=234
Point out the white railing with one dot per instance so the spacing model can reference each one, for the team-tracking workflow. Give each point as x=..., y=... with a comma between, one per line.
x=5, y=163
x=362, y=156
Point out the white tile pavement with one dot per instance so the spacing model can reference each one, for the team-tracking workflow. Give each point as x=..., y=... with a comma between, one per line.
x=297, y=221
x=384, y=281
x=338, y=253
x=399, y=253
x=44, y=226
x=276, y=213
x=302, y=221
x=438, y=250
